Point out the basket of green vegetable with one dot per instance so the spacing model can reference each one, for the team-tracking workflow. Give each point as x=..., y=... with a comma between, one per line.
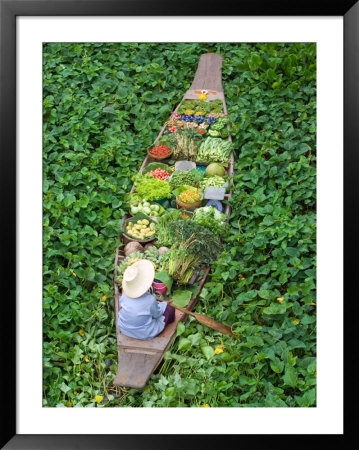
x=189, y=178
x=140, y=228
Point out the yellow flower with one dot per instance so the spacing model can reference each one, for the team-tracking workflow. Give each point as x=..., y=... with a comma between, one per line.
x=206, y=405
x=202, y=96
x=296, y=321
x=218, y=349
x=74, y=274
x=188, y=112
x=69, y=404
x=104, y=298
x=86, y=358
x=280, y=299
x=199, y=113
x=98, y=398
x=81, y=333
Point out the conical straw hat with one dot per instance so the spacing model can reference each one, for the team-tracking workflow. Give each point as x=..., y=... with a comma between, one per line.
x=137, y=278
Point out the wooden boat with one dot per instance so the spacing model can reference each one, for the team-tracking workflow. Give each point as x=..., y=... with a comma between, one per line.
x=138, y=359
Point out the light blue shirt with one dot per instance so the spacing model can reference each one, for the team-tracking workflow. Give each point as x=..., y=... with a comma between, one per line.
x=142, y=317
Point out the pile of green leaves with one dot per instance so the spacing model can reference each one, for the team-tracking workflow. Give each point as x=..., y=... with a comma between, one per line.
x=164, y=236
x=204, y=243
x=211, y=218
x=150, y=188
x=103, y=105
x=190, y=178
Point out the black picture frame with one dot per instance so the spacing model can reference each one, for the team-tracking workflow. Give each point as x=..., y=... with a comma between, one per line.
x=9, y=10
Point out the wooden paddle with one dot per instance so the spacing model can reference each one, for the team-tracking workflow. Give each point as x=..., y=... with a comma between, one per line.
x=204, y=320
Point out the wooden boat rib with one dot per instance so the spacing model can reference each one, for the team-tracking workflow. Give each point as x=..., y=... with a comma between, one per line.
x=138, y=359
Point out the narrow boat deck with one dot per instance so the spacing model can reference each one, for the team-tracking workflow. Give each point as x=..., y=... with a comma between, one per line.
x=138, y=359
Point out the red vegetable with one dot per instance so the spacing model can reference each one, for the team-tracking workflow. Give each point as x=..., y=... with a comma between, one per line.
x=160, y=150
x=159, y=173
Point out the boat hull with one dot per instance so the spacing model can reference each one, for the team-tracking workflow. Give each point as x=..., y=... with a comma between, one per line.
x=138, y=359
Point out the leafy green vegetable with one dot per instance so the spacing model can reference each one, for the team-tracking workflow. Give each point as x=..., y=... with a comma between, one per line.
x=190, y=178
x=164, y=236
x=150, y=188
x=181, y=297
x=219, y=124
x=203, y=243
x=211, y=218
x=215, y=149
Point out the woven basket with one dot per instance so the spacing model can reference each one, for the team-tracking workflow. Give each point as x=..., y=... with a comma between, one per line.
x=158, y=158
x=188, y=206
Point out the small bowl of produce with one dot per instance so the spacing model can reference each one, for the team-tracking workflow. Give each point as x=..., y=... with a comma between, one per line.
x=154, y=165
x=188, y=197
x=159, y=173
x=140, y=228
x=160, y=152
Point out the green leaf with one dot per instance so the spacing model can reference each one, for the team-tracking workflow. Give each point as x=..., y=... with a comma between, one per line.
x=69, y=199
x=307, y=399
x=253, y=341
x=277, y=365
x=207, y=351
x=65, y=388
x=275, y=308
x=181, y=298
x=293, y=252
x=254, y=61
x=184, y=344
x=290, y=376
x=264, y=293
x=180, y=328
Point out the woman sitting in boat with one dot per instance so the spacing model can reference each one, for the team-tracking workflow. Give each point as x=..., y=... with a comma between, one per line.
x=141, y=316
